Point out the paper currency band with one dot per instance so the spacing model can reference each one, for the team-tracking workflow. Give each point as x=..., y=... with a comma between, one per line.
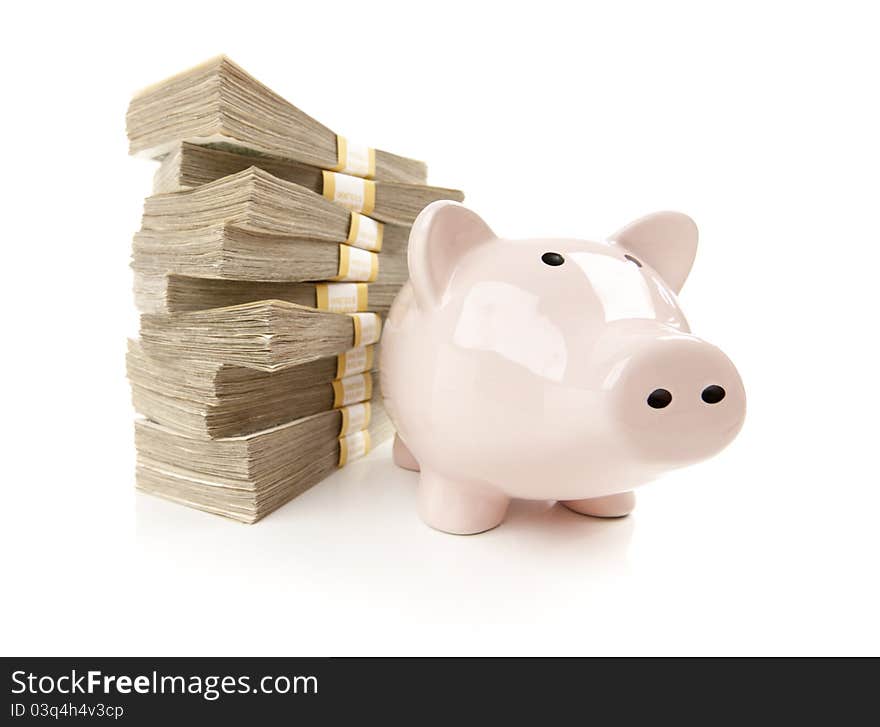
x=355, y=418
x=356, y=159
x=353, y=193
x=341, y=297
x=367, y=328
x=356, y=264
x=365, y=233
x=353, y=446
x=355, y=361
x=352, y=389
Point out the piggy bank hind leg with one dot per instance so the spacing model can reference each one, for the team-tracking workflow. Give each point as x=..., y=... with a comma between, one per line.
x=402, y=456
x=617, y=505
x=460, y=508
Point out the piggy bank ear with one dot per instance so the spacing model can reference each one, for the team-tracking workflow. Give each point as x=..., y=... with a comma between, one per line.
x=441, y=234
x=667, y=241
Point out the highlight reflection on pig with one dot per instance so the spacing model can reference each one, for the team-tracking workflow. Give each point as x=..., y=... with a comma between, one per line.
x=548, y=369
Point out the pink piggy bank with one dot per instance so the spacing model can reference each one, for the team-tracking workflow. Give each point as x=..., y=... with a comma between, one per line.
x=548, y=369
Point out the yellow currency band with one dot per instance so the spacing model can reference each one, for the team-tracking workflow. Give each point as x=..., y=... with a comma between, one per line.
x=358, y=331
x=366, y=200
x=343, y=447
x=345, y=263
x=369, y=197
x=343, y=452
x=371, y=172
x=342, y=363
x=329, y=187
x=354, y=229
x=358, y=327
x=346, y=416
x=339, y=390
x=322, y=298
x=342, y=159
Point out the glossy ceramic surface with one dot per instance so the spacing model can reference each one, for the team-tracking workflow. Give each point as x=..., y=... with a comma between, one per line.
x=548, y=369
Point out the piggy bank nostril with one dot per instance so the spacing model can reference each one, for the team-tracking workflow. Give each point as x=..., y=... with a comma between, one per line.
x=713, y=394
x=659, y=399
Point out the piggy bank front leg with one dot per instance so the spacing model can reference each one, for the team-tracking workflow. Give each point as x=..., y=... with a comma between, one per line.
x=609, y=506
x=459, y=507
x=402, y=456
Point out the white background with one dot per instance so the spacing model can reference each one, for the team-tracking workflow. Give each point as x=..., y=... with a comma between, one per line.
x=760, y=120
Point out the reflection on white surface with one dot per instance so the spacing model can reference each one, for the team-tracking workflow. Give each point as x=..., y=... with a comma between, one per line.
x=352, y=557
x=348, y=568
x=621, y=288
x=370, y=506
x=505, y=319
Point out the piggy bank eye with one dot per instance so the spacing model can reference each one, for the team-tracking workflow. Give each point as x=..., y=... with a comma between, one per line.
x=633, y=260
x=659, y=399
x=552, y=258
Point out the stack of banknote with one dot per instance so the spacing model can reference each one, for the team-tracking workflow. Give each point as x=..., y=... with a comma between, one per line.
x=267, y=257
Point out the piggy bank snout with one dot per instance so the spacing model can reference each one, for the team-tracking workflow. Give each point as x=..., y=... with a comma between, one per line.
x=680, y=399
